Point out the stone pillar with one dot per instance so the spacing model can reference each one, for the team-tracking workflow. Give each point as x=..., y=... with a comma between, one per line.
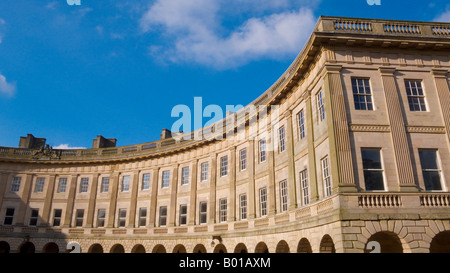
x=341, y=160
x=173, y=198
x=3, y=183
x=400, y=143
x=113, y=202
x=92, y=199
x=312, y=168
x=251, y=200
x=232, y=184
x=292, y=191
x=70, y=201
x=48, y=201
x=25, y=198
x=193, y=193
x=271, y=200
x=133, y=201
x=154, y=198
x=212, y=190
x=440, y=78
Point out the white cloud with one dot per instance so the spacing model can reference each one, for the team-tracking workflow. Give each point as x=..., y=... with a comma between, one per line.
x=195, y=31
x=67, y=147
x=443, y=17
x=8, y=89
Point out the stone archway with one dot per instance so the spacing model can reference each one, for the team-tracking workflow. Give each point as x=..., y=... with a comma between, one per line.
x=282, y=247
x=27, y=247
x=4, y=247
x=440, y=243
x=261, y=247
x=51, y=248
x=389, y=242
x=199, y=249
x=220, y=248
x=95, y=248
x=138, y=249
x=327, y=245
x=240, y=248
x=117, y=248
x=179, y=249
x=304, y=246
x=159, y=249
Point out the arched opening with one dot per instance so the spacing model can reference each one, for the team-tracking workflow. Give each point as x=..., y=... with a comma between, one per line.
x=27, y=247
x=117, y=248
x=261, y=247
x=220, y=248
x=327, y=245
x=179, y=249
x=4, y=247
x=159, y=249
x=282, y=247
x=51, y=248
x=441, y=243
x=389, y=242
x=138, y=249
x=240, y=248
x=304, y=246
x=95, y=248
x=199, y=249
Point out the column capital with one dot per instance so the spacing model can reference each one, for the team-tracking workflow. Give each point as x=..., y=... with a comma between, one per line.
x=332, y=68
x=387, y=71
x=439, y=73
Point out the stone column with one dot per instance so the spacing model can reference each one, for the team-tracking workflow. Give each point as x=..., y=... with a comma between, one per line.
x=341, y=160
x=154, y=198
x=48, y=201
x=173, y=198
x=25, y=199
x=271, y=200
x=212, y=189
x=400, y=143
x=113, y=202
x=70, y=201
x=292, y=191
x=133, y=201
x=232, y=184
x=440, y=78
x=312, y=168
x=251, y=200
x=193, y=193
x=3, y=183
x=92, y=199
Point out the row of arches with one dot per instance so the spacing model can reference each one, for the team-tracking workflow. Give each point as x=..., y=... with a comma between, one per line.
x=389, y=243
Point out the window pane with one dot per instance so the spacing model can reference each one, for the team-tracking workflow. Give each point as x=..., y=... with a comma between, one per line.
x=374, y=180
x=432, y=180
x=428, y=159
x=371, y=158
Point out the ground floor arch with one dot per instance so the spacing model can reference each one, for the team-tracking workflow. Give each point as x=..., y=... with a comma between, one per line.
x=240, y=248
x=327, y=244
x=159, y=249
x=179, y=249
x=220, y=248
x=27, y=247
x=440, y=243
x=51, y=248
x=95, y=248
x=389, y=242
x=282, y=247
x=304, y=246
x=261, y=247
x=117, y=248
x=138, y=249
x=199, y=249
x=4, y=247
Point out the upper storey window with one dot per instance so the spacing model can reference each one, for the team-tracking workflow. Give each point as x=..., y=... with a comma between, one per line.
x=39, y=184
x=126, y=183
x=62, y=185
x=430, y=170
x=373, y=169
x=204, y=175
x=262, y=150
x=165, y=179
x=416, y=96
x=281, y=140
x=301, y=124
x=146, y=181
x=185, y=176
x=84, y=184
x=105, y=184
x=243, y=159
x=224, y=166
x=16, y=184
x=362, y=94
x=320, y=105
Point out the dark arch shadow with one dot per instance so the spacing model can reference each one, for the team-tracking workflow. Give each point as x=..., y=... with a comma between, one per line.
x=261, y=247
x=440, y=243
x=95, y=248
x=240, y=248
x=389, y=242
x=304, y=246
x=327, y=244
x=117, y=248
x=199, y=249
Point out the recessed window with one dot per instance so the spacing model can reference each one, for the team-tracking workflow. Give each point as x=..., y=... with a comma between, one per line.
x=243, y=206
x=185, y=176
x=79, y=215
x=34, y=217
x=373, y=169
x=243, y=159
x=62, y=185
x=105, y=184
x=281, y=140
x=263, y=201
x=430, y=170
x=204, y=171
x=122, y=218
x=326, y=176
x=223, y=210
x=224, y=166
x=57, y=217
x=162, y=216
x=146, y=181
x=320, y=105
x=262, y=150
x=126, y=183
x=416, y=96
x=165, y=179
x=305, y=186
x=9, y=216
x=202, y=212
x=284, y=195
x=142, y=217
x=301, y=125
x=16, y=184
x=101, y=214
x=84, y=184
x=361, y=94
x=183, y=215
x=39, y=184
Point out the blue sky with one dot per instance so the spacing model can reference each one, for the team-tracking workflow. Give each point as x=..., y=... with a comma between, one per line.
x=118, y=67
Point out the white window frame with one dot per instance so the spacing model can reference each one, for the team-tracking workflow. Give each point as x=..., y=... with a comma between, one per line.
x=145, y=181
x=262, y=150
x=104, y=187
x=84, y=184
x=183, y=216
x=204, y=171
x=185, y=176
x=301, y=125
x=142, y=221
x=305, y=187
x=283, y=196
x=125, y=183
x=326, y=175
x=39, y=187
x=224, y=166
x=281, y=139
x=15, y=186
x=243, y=159
x=243, y=206
x=223, y=210
x=320, y=105
x=122, y=219
x=62, y=184
x=165, y=179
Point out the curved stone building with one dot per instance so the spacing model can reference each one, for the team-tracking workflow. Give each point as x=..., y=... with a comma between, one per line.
x=349, y=146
